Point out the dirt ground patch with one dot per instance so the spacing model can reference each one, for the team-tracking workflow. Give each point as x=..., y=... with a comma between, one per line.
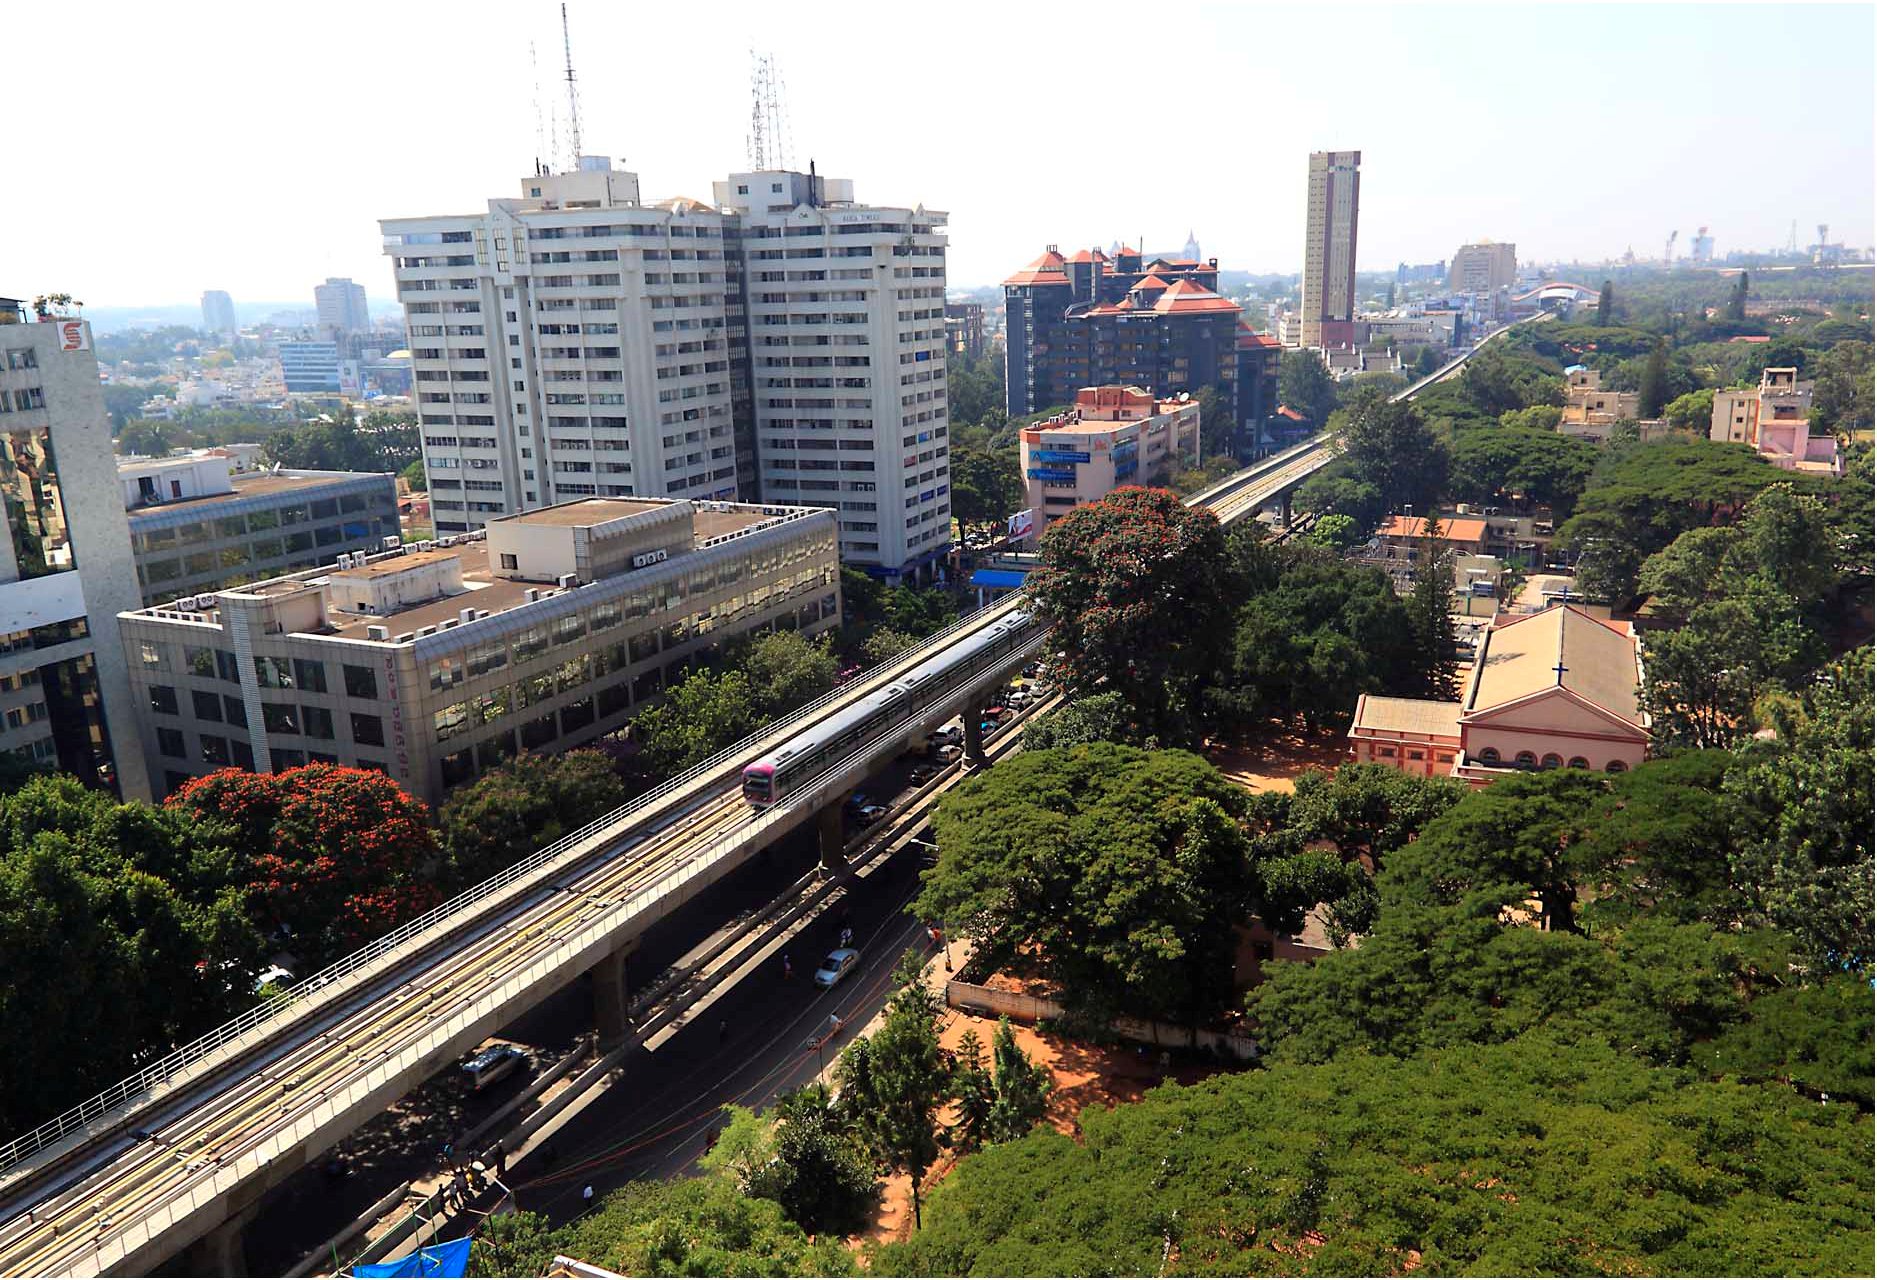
x=1083, y=1075
x=1270, y=757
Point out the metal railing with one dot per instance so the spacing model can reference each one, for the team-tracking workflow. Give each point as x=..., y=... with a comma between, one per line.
x=166, y=1068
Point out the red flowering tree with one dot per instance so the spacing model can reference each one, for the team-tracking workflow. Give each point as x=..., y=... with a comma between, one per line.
x=336, y=855
x=1140, y=589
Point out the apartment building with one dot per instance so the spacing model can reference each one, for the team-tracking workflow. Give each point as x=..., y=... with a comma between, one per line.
x=342, y=308
x=218, y=311
x=1098, y=319
x=845, y=304
x=1332, y=206
x=66, y=571
x=1483, y=267
x=571, y=342
x=196, y=525
x=310, y=368
x=1590, y=411
x=435, y=661
x=1774, y=418
x=1113, y=436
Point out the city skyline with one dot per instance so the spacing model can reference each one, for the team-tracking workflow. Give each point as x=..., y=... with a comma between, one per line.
x=1435, y=164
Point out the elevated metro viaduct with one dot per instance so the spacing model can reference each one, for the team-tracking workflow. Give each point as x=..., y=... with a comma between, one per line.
x=235, y=1114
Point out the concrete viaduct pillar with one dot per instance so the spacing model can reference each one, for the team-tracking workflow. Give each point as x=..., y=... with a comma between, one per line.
x=831, y=836
x=974, y=734
x=223, y=1251
x=1285, y=499
x=611, y=997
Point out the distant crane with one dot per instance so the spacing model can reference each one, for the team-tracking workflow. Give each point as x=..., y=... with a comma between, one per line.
x=1668, y=250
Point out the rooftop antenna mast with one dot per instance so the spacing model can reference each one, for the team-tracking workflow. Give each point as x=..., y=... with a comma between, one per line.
x=534, y=72
x=769, y=129
x=573, y=93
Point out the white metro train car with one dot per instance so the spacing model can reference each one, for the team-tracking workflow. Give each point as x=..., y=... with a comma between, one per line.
x=802, y=757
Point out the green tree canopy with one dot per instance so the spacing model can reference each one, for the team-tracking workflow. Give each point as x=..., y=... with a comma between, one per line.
x=785, y=670
x=525, y=804
x=1542, y=1156
x=1112, y=573
x=1125, y=870
x=1389, y=445
x=1304, y=383
x=1510, y=462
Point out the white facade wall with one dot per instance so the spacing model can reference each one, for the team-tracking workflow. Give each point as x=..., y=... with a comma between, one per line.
x=846, y=308
x=569, y=343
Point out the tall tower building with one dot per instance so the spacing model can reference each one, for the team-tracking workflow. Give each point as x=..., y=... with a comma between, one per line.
x=572, y=342
x=342, y=308
x=846, y=320
x=1329, y=254
x=218, y=311
x=67, y=571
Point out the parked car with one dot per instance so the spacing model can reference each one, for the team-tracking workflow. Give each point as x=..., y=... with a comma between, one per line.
x=492, y=1064
x=868, y=814
x=948, y=754
x=274, y=977
x=948, y=736
x=920, y=774
x=837, y=966
x=854, y=804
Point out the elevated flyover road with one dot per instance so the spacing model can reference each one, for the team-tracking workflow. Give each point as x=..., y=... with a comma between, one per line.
x=187, y=1146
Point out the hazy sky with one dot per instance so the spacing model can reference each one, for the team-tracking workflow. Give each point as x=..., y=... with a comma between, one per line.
x=157, y=150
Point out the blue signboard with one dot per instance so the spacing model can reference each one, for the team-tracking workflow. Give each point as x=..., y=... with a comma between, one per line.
x=1059, y=455
x=1052, y=473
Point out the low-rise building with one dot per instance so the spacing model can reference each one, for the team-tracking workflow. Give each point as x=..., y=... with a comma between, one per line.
x=1400, y=542
x=1590, y=411
x=1549, y=690
x=198, y=525
x=1113, y=436
x=435, y=661
x=1774, y=418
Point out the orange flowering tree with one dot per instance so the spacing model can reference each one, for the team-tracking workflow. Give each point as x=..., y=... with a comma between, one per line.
x=335, y=855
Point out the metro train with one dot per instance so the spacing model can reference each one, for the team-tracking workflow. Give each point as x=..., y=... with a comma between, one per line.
x=802, y=757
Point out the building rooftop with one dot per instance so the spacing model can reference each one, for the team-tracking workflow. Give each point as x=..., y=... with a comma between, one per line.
x=398, y=564
x=1452, y=528
x=252, y=484
x=588, y=511
x=1561, y=647
x=1407, y=715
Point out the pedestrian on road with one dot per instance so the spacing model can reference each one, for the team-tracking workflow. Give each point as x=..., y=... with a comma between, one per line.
x=847, y=937
x=501, y=1162
x=788, y=970
x=586, y=1197
x=723, y=1030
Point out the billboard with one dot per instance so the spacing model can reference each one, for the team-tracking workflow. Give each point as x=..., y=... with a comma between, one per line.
x=73, y=336
x=1023, y=524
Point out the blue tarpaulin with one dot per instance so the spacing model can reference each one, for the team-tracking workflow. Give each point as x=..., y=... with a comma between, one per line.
x=997, y=579
x=448, y=1258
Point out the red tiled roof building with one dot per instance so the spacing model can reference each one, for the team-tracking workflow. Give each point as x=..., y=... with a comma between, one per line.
x=1092, y=318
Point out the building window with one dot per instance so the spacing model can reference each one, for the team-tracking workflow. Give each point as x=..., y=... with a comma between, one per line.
x=163, y=699
x=1578, y=762
x=361, y=682
x=310, y=674
x=1489, y=755
x=1386, y=753
x=1552, y=760
x=280, y=717
x=215, y=751
x=207, y=706
x=237, y=710
x=1526, y=760
x=170, y=743
x=152, y=657
x=285, y=758
x=1616, y=766
x=451, y=720
x=273, y=673
x=367, y=730
x=317, y=722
